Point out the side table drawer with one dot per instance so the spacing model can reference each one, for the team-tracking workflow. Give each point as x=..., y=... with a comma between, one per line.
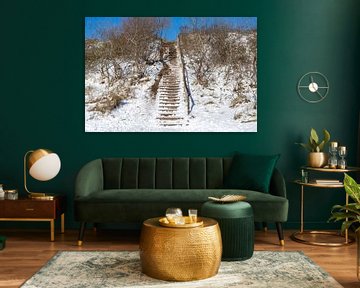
x=30, y=209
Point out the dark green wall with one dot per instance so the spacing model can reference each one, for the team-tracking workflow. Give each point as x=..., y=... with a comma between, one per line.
x=42, y=88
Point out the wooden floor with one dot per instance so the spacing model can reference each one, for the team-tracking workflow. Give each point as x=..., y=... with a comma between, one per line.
x=28, y=250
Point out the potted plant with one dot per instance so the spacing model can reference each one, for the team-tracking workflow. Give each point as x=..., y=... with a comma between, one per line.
x=350, y=213
x=317, y=157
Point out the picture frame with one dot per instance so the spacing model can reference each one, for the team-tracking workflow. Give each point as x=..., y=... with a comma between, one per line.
x=170, y=74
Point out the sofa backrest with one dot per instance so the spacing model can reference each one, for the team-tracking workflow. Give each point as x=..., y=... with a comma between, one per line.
x=165, y=173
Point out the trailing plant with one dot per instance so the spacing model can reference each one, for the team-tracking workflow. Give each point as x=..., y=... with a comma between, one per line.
x=314, y=144
x=349, y=214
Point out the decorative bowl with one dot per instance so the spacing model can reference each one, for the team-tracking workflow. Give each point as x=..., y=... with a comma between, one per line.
x=228, y=198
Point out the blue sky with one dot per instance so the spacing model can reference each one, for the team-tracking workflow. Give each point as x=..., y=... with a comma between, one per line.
x=92, y=24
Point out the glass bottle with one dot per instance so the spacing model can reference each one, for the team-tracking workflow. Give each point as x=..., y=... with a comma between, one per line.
x=304, y=176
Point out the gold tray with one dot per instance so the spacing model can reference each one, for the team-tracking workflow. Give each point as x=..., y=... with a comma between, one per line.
x=165, y=222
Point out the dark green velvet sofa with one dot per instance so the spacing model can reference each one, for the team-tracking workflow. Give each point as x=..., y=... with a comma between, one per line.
x=131, y=190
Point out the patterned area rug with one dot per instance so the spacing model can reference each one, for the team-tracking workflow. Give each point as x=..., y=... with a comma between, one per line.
x=122, y=269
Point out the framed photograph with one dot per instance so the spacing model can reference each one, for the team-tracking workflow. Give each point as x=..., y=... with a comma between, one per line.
x=170, y=74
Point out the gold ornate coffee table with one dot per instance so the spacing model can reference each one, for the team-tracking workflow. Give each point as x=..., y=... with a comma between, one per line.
x=180, y=254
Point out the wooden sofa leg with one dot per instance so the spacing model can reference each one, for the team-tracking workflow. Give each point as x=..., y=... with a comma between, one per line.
x=265, y=227
x=280, y=233
x=81, y=233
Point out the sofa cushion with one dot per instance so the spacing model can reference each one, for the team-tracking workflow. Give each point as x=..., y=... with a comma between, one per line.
x=251, y=172
x=266, y=207
x=123, y=202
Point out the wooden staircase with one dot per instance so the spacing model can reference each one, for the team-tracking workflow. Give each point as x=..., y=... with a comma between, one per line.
x=171, y=97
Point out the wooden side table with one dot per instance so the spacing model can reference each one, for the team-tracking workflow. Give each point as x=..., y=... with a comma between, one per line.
x=26, y=209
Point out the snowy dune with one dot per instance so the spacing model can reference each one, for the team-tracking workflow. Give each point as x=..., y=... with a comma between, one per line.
x=140, y=111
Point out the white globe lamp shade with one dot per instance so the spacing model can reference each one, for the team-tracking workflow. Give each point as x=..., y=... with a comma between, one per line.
x=44, y=164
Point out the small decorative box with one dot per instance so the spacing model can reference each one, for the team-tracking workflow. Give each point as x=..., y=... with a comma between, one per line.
x=11, y=194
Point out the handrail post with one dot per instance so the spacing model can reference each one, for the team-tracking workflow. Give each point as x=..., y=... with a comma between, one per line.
x=186, y=78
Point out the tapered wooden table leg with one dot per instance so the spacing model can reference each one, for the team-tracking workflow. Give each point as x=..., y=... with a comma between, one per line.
x=63, y=223
x=52, y=230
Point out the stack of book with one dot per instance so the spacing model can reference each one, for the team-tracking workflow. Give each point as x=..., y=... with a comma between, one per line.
x=327, y=181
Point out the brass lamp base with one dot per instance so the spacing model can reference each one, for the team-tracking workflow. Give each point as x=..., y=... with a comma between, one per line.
x=41, y=196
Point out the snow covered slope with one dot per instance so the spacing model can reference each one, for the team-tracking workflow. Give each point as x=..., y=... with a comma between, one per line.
x=227, y=103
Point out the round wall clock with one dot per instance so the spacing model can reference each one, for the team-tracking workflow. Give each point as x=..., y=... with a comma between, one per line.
x=313, y=87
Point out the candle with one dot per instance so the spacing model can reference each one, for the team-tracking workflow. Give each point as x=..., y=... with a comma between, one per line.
x=342, y=149
x=342, y=154
x=333, y=144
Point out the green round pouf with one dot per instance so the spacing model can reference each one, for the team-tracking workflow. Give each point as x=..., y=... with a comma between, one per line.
x=236, y=221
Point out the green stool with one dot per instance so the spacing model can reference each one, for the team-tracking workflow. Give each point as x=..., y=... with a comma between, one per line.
x=236, y=221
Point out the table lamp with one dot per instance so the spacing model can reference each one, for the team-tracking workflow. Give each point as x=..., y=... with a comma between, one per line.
x=43, y=165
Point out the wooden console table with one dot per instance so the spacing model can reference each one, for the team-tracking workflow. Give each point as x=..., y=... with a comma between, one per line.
x=26, y=209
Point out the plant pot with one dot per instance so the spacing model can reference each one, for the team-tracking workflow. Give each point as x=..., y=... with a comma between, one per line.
x=317, y=159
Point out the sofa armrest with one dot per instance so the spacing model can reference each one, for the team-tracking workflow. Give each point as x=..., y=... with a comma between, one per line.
x=89, y=179
x=277, y=184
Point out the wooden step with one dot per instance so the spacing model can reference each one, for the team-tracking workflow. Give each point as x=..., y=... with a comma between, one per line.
x=170, y=118
x=167, y=101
